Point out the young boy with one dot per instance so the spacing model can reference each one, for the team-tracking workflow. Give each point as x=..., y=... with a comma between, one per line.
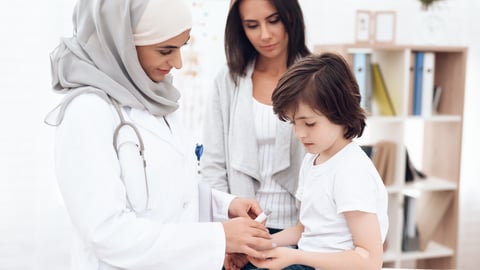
x=343, y=202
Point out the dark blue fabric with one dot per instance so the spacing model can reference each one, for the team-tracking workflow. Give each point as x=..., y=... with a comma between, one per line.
x=249, y=266
x=273, y=230
x=299, y=267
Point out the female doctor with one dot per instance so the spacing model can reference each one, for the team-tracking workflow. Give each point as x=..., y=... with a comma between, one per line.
x=125, y=167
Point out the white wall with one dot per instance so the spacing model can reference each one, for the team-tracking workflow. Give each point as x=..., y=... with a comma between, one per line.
x=34, y=225
x=32, y=222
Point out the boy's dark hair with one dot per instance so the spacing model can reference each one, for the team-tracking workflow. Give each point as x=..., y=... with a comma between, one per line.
x=326, y=84
x=240, y=52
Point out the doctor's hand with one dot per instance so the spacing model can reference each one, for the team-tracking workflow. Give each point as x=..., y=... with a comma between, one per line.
x=243, y=207
x=244, y=235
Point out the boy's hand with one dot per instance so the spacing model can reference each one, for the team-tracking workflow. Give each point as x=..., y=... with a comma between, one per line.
x=277, y=258
x=235, y=261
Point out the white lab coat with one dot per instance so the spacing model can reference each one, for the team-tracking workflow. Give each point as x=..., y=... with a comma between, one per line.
x=108, y=235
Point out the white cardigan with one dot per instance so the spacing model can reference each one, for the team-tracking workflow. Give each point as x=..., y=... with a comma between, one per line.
x=230, y=158
x=107, y=234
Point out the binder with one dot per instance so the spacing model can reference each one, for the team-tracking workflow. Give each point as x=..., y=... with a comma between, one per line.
x=418, y=83
x=380, y=92
x=437, y=93
x=362, y=71
x=411, y=237
x=384, y=159
x=383, y=156
x=411, y=84
x=428, y=83
x=368, y=149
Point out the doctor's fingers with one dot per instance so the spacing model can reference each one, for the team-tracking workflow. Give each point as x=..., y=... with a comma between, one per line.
x=241, y=233
x=246, y=225
x=244, y=207
x=259, y=245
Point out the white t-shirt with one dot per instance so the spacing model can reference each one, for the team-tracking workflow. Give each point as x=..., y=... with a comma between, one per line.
x=348, y=181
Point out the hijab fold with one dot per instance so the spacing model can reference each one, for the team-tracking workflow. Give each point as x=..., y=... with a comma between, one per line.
x=101, y=58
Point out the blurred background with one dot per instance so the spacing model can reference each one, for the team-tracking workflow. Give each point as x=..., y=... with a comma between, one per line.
x=34, y=226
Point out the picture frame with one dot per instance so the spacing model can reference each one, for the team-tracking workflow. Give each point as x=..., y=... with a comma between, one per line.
x=385, y=25
x=363, y=27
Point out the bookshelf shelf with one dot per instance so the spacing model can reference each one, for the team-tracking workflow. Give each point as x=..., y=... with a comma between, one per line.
x=436, y=118
x=431, y=132
x=392, y=189
x=433, y=250
x=431, y=184
x=385, y=119
x=389, y=256
x=422, y=185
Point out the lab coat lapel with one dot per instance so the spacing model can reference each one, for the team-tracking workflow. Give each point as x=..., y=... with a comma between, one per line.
x=243, y=145
x=155, y=126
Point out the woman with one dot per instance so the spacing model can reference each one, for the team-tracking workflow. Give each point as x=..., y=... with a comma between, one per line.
x=125, y=167
x=247, y=150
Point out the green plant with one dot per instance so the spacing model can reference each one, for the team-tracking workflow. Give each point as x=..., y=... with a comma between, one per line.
x=427, y=3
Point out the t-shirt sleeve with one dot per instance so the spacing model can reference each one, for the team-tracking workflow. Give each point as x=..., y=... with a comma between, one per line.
x=355, y=190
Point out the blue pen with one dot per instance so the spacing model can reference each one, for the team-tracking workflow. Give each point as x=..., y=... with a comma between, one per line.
x=198, y=151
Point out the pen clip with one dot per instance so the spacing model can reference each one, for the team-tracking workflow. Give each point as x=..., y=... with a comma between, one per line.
x=198, y=151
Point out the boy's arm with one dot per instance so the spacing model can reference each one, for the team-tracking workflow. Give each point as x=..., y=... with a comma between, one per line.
x=289, y=236
x=367, y=254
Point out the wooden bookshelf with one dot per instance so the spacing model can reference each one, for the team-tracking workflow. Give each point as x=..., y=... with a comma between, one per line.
x=434, y=145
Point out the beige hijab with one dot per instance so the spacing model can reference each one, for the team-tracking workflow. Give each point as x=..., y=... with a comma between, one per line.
x=101, y=57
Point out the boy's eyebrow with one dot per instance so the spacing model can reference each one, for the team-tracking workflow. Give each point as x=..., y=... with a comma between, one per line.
x=304, y=117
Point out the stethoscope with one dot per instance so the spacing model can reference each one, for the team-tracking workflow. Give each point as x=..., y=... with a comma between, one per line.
x=141, y=148
x=122, y=124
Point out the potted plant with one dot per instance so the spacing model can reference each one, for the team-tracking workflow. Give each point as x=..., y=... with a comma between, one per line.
x=427, y=3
